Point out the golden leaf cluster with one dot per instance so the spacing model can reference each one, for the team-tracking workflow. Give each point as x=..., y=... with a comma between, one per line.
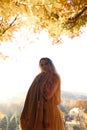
x=56, y=16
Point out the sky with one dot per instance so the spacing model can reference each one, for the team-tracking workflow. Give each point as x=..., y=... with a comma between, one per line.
x=22, y=65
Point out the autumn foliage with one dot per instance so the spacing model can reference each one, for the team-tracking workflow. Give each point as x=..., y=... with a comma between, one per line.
x=56, y=16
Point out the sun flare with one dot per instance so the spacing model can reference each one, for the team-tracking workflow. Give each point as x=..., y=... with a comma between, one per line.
x=22, y=56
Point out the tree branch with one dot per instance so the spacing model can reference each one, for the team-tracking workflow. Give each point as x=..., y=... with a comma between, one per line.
x=79, y=14
x=10, y=25
x=72, y=20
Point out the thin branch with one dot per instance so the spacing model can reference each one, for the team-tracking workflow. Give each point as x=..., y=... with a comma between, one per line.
x=10, y=25
x=79, y=14
x=72, y=20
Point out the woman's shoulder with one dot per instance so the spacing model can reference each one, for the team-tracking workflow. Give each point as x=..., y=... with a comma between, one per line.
x=56, y=75
x=40, y=75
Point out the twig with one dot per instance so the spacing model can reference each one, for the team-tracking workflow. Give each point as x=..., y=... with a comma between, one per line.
x=10, y=25
x=79, y=14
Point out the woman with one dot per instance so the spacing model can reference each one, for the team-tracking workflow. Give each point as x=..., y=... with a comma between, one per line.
x=40, y=110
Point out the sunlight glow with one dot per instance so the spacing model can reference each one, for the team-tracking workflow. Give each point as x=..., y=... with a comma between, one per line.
x=21, y=66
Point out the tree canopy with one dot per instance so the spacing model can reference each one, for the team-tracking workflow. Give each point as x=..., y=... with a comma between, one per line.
x=57, y=17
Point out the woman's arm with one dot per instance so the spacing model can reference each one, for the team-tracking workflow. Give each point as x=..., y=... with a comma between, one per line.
x=49, y=92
